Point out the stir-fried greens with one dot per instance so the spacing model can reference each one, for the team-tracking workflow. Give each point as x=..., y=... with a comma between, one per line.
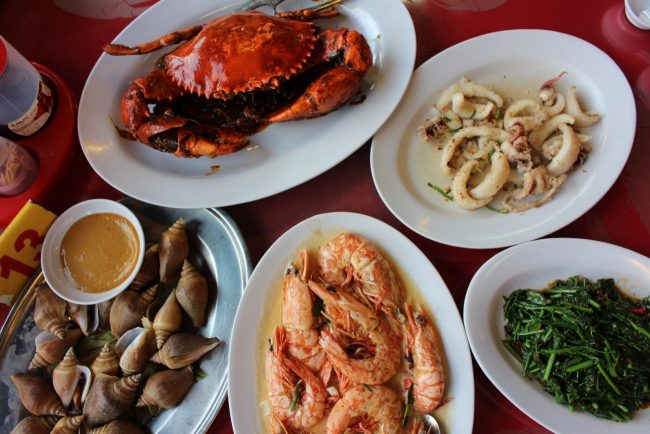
x=586, y=343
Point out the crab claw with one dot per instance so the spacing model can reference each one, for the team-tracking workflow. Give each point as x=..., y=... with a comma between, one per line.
x=336, y=86
x=196, y=141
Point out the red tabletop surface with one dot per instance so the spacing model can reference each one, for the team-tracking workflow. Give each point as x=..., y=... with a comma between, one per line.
x=67, y=36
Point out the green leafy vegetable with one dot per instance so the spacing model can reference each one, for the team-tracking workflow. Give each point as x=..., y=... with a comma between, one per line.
x=441, y=191
x=498, y=114
x=585, y=342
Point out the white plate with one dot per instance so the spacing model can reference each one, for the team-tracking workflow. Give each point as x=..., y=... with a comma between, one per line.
x=514, y=58
x=412, y=264
x=280, y=157
x=534, y=265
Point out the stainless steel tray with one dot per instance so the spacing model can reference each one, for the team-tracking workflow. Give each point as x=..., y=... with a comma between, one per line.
x=219, y=251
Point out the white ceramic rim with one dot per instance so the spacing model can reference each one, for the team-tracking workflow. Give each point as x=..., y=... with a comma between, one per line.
x=412, y=263
x=281, y=157
x=56, y=279
x=533, y=265
x=455, y=227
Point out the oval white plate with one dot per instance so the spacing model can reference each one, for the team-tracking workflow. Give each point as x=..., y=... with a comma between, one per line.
x=280, y=157
x=534, y=265
x=242, y=362
x=524, y=57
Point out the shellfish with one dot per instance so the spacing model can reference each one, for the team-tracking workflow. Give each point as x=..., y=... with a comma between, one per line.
x=118, y=427
x=148, y=270
x=50, y=349
x=192, y=293
x=166, y=389
x=135, y=348
x=49, y=312
x=109, y=398
x=66, y=377
x=183, y=349
x=35, y=425
x=37, y=395
x=168, y=320
x=174, y=249
x=106, y=362
x=68, y=425
x=86, y=317
x=128, y=309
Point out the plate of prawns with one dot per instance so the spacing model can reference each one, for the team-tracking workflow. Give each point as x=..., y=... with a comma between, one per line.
x=346, y=326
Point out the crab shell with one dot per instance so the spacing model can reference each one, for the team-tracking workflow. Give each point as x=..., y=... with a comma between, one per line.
x=241, y=52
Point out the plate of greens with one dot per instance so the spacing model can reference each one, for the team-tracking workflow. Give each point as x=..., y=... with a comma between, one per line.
x=566, y=336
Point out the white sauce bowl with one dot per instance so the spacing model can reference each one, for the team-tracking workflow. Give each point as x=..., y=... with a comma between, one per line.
x=53, y=268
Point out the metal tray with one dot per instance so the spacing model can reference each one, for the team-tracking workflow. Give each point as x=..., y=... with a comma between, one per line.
x=219, y=251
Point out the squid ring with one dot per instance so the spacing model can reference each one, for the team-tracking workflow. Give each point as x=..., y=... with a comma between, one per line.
x=469, y=110
x=495, y=179
x=568, y=153
x=462, y=197
x=537, y=137
x=468, y=89
x=465, y=133
x=531, y=121
x=583, y=119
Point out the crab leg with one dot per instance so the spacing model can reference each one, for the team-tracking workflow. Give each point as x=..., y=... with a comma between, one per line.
x=188, y=139
x=170, y=39
x=336, y=86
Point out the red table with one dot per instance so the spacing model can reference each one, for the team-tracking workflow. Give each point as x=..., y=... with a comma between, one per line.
x=67, y=36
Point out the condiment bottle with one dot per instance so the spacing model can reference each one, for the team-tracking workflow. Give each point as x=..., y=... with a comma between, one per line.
x=26, y=101
x=18, y=169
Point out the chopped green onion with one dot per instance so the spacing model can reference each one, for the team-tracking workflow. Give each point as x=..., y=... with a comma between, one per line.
x=409, y=404
x=441, y=191
x=294, y=399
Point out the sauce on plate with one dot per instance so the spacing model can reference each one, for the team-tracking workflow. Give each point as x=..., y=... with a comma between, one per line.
x=100, y=251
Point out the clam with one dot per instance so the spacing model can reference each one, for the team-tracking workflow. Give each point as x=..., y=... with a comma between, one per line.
x=166, y=389
x=148, y=270
x=106, y=362
x=68, y=425
x=135, y=348
x=174, y=249
x=35, y=425
x=37, y=395
x=50, y=349
x=168, y=320
x=128, y=309
x=86, y=317
x=192, y=293
x=183, y=349
x=49, y=312
x=109, y=398
x=67, y=376
x=118, y=427
x=104, y=314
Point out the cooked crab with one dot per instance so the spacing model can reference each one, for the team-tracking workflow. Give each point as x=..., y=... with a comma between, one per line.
x=236, y=74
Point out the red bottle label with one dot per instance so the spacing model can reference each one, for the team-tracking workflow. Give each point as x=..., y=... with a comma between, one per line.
x=37, y=115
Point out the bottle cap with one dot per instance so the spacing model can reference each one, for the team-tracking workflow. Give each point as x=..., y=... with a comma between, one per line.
x=3, y=55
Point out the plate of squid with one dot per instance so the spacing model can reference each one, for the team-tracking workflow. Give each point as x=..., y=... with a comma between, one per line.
x=492, y=147
x=346, y=325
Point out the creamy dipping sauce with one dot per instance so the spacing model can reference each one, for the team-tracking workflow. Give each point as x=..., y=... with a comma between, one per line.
x=100, y=251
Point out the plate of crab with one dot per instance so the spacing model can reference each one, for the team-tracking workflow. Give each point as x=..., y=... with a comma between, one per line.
x=346, y=326
x=195, y=103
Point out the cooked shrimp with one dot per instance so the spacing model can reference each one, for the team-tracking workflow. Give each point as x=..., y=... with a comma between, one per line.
x=298, y=317
x=374, y=409
x=428, y=376
x=286, y=378
x=359, y=343
x=349, y=257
